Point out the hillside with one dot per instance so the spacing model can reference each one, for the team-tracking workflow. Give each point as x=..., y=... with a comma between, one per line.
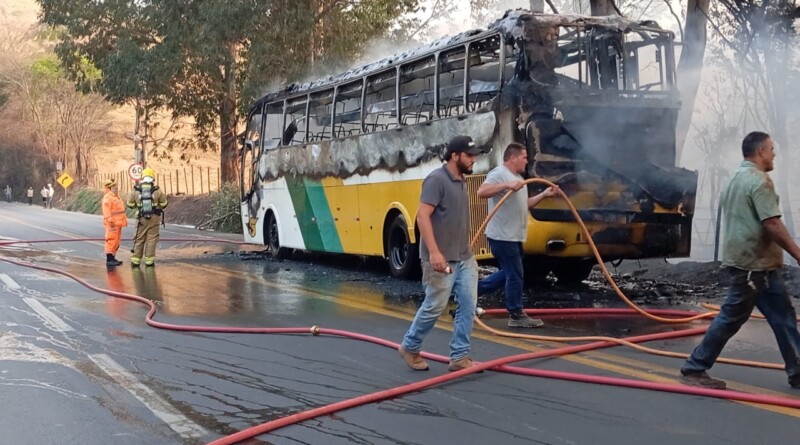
x=116, y=152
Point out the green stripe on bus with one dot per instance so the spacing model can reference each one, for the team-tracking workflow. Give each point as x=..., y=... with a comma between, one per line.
x=324, y=218
x=313, y=215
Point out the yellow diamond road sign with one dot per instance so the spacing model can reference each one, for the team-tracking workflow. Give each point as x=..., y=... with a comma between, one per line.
x=65, y=180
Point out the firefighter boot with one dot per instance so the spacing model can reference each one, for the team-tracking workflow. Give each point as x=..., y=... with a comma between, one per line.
x=111, y=261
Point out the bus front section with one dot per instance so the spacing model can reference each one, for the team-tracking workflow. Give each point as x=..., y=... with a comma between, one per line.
x=594, y=100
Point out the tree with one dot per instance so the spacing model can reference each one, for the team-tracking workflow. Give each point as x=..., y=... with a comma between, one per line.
x=690, y=66
x=117, y=38
x=760, y=48
x=196, y=56
x=57, y=122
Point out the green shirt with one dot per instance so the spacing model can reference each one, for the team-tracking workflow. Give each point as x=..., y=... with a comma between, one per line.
x=749, y=200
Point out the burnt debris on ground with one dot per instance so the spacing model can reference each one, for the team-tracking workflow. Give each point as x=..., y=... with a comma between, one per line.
x=653, y=283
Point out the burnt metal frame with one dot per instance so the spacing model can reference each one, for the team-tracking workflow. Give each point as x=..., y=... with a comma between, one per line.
x=666, y=70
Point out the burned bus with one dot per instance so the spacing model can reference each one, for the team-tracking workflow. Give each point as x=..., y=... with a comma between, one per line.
x=336, y=165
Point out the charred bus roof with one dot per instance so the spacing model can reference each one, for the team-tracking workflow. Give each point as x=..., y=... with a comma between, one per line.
x=514, y=25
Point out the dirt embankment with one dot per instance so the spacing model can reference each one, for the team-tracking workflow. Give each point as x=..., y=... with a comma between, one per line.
x=188, y=210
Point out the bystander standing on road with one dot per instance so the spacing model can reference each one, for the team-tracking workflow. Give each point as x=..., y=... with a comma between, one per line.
x=29, y=195
x=448, y=264
x=7, y=192
x=114, y=219
x=43, y=192
x=508, y=229
x=50, y=192
x=752, y=255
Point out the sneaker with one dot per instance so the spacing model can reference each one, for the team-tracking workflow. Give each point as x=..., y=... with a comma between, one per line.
x=702, y=380
x=794, y=382
x=523, y=321
x=462, y=363
x=413, y=359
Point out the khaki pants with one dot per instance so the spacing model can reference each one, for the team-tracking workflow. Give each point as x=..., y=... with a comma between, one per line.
x=147, y=234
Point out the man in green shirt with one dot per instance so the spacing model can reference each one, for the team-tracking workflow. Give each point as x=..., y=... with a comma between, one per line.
x=752, y=256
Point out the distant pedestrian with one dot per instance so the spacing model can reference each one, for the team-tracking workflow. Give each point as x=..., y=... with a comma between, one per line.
x=752, y=256
x=44, y=192
x=50, y=193
x=7, y=192
x=448, y=264
x=114, y=220
x=29, y=195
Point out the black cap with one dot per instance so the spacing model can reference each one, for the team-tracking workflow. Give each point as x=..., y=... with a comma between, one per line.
x=463, y=144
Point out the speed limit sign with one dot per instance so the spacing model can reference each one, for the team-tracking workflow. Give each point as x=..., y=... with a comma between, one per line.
x=135, y=171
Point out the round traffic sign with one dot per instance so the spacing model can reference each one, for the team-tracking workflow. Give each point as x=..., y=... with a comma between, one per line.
x=135, y=171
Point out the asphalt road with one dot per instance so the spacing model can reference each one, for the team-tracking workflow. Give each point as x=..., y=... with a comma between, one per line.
x=78, y=367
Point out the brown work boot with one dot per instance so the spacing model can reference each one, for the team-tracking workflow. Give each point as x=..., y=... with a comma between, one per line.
x=413, y=359
x=701, y=380
x=462, y=363
x=521, y=320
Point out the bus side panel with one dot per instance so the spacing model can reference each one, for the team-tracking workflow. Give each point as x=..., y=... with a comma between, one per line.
x=276, y=196
x=377, y=199
x=343, y=203
x=313, y=215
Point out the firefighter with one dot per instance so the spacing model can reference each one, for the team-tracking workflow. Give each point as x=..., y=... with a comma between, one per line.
x=114, y=219
x=150, y=202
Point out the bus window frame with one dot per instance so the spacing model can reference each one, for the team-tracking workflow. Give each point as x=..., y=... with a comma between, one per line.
x=338, y=88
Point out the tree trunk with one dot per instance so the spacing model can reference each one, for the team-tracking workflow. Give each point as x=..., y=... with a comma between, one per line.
x=778, y=57
x=690, y=68
x=227, y=120
x=602, y=7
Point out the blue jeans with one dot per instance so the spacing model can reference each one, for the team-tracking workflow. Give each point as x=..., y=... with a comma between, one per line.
x=508, y=255
x=438, y=287
x=766, y=291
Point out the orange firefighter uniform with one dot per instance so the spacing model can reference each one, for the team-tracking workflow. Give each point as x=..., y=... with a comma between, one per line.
x=114, y=220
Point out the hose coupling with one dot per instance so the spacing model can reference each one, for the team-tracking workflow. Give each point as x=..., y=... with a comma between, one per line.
x=479, y=311
x=315, y=330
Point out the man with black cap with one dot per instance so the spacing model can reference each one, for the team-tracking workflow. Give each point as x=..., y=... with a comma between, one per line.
x=448, y=265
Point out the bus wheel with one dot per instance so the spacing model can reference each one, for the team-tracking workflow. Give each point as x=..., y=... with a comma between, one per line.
x=273, y=240
x=573, y=271
x=535, y=270
x=402, y=255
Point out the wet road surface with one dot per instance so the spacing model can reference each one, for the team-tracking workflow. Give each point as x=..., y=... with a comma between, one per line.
x=81, y=367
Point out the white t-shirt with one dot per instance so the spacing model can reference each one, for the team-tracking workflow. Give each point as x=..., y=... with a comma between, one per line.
x=510, y=223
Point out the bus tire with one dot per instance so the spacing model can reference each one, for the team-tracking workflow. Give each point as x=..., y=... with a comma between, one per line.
x=273, y=239
x=535, y=270
x=401, y=254
x=573, y=271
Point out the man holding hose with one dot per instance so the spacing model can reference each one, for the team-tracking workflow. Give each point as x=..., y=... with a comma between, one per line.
x=508, y=229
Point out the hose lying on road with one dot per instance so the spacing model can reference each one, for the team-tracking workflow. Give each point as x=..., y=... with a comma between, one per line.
x=501, y=364
x=495, y=365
